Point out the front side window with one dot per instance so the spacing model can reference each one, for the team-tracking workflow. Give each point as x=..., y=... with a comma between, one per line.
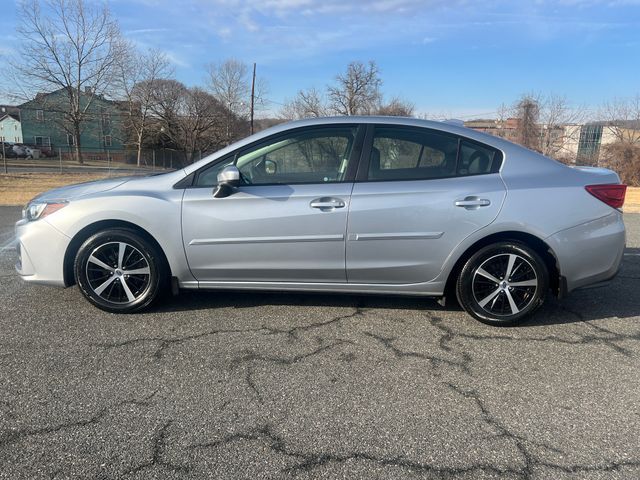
x=318, y=155
x=312, y=156
x=412, y=154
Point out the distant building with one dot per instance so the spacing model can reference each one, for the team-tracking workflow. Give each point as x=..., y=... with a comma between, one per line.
x=588, y=139
x=10, y=128
x=44, y=123
x=571, y=143
x=507, y=129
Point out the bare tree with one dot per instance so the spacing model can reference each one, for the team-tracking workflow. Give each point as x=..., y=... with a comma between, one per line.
x=527, y=111
x=623, y=158
x=71, y=46
x=357, y=91
x=307, y=104
x=190, y=118
x=559, y=126
x=230, y=84
x=623, y=119
x=503, y=113
x=137, y=75
x=396, y=107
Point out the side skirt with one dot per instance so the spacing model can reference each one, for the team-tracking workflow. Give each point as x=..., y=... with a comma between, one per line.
x=429, y=289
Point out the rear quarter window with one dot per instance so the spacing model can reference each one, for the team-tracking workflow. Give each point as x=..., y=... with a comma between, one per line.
x=477, y=159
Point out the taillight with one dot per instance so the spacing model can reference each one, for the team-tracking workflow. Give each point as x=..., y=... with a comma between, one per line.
x=611, y=194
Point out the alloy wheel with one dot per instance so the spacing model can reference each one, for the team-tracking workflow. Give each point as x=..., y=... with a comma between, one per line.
x=505, y=284
x=118, y=272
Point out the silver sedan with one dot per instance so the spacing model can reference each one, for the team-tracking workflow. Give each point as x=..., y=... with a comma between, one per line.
x=353, y=204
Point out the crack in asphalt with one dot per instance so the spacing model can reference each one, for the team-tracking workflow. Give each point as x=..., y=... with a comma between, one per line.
x=252, y=384
x=307, y=462
x=158, y=445
x=14, y=435
x=166, y=343
x=388, y=343
x=250, y=357
x=523, y=444
x=608, y=340
x=292, y=333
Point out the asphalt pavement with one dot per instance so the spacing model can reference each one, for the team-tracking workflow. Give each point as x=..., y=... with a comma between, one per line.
x=257, y=385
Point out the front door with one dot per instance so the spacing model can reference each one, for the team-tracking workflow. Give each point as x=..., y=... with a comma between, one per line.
x=420, y=194
x=286, y=222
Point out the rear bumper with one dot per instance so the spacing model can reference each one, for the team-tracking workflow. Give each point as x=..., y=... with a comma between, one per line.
x=40, y=248
x=590, y=254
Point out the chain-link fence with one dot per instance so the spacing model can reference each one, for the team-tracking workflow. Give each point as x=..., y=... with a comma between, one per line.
x=22, y=158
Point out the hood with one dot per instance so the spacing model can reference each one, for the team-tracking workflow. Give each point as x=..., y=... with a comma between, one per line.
x=70, y=192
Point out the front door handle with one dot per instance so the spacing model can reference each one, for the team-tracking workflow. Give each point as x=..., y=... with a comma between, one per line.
x=473, y=203
x=327, y=204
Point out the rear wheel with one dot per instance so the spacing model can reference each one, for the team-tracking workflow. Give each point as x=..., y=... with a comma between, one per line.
x=503, y=283
x=120, y=271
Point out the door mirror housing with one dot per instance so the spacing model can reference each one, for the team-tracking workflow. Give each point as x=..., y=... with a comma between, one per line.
x=229, y=175
x=228, y=178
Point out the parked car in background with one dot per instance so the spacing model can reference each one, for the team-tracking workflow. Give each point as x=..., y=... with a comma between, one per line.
x=7, y=151
x=376, y=205
x=32, y=152
x=20, y=150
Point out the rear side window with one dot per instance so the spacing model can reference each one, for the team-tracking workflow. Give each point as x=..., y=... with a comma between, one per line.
x=477, y=159
x=412, y=154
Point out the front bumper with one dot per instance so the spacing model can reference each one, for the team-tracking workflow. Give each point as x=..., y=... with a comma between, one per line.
x=591, y=253
x=41, y=248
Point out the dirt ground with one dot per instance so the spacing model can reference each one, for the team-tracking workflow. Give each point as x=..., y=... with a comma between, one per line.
x=632, y=200
x=19, y=188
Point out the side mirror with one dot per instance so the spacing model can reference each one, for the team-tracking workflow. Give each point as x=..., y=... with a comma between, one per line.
x=228, y=178
x=230, y=175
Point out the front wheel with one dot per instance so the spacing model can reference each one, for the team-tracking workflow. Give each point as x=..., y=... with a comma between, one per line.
x=503, y=283
x=120, y=271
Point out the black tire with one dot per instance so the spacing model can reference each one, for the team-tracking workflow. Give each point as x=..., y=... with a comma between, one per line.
x=493, y=299
x=116, y=280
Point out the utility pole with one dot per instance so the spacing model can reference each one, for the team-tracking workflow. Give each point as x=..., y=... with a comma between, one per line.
x=4, y=157
x=253, y=93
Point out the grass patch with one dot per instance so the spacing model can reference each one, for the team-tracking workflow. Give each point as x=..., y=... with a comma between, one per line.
x=19, y=188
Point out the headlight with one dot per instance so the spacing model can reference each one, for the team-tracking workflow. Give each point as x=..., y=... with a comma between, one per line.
x=37, y=210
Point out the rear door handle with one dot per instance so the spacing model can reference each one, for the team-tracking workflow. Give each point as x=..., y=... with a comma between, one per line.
x=473, y=203
x=327, y=204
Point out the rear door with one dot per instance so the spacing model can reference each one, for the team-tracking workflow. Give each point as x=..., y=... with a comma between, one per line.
x=418, y=194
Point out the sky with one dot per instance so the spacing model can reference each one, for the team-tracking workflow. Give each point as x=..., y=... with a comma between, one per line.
x=455, y=58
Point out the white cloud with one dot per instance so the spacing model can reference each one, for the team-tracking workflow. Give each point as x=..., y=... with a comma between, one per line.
x=177, y=59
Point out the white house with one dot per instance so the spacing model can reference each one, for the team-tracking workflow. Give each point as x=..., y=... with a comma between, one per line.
x=10, y=129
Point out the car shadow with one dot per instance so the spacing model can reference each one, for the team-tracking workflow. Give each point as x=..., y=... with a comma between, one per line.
x=619, y=299
x=189, y=300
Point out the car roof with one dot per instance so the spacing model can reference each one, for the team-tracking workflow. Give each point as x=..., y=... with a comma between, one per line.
x=443, y=126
